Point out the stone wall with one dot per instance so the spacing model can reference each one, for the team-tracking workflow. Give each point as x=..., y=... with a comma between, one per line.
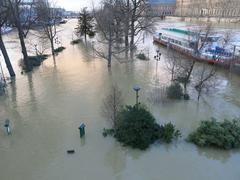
x=208, y=8
x=163, y=9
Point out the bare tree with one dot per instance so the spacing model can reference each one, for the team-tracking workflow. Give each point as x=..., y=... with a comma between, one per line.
x=173, y=64
x=184, y=75
x=158, y=95
x=18, y=10
x=48, y=19
x=4, y=14
x=122, y=21
x=126, y=12
x=107, y=27
x=187, y=68
x=112, y=104
x=180, y=69
x=39, y=46
x=139, y=21
x=183, y=70
x=205, y=77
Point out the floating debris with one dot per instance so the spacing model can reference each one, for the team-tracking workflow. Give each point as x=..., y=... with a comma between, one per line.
x=71, y=151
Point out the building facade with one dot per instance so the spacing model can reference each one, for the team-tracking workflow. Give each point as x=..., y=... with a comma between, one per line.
x=208, y=8
x=162, y=8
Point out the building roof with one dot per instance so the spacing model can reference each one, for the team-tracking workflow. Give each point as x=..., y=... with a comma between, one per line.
x=156, y=2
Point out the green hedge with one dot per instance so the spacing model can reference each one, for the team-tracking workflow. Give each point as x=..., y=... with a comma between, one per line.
x=224, y=135
x=59, y=49
x=136, y=127
x=142, y=56
x=175, y=91
x=76, y=41
x=37, y=60
x=168, y=132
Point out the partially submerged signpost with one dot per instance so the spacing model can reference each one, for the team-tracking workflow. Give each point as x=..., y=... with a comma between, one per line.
x=7, y=126
x=82, y=130
x=82, y=134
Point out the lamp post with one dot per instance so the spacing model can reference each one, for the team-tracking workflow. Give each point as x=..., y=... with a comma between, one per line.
x=137, y=89
x=158, y=56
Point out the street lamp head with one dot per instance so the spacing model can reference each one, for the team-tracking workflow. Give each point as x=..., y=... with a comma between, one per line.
x=158, y=56
x=136, y=88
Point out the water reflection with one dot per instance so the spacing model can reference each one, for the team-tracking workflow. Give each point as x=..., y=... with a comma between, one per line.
x=32, y=97
x=210, y=153
x=115, y=159
x=83, y=140
x=13, y=89
x=135, y=154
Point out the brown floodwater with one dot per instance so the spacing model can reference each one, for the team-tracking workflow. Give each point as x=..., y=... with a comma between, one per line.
x=47, y=106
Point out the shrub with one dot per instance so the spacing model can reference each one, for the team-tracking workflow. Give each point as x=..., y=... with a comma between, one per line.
x=76, y=41
x=136, y=127
x=142, y=56
x=91, y=34
x=186, y=97
x=169, y=132
x=108, y=132
x=37, y=60
x=175, y=91
x=59, y=49
x=225, y=135
x=33, y=62
x=182, y=79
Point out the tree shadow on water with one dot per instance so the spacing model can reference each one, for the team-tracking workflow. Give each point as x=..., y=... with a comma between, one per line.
x=215, y=154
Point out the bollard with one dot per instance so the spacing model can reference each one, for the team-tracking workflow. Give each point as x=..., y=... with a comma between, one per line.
x=82, y=130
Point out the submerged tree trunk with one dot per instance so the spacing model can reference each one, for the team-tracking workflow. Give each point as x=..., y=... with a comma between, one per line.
x=24, y=49
x=189, y=73
x=199, y=90
x=110, y=49
x=52, y=46
x=132, y=37
x=6, y=57
x=15, y=11
x=49, y=31
x=133, y=20
x=85, y=37
x=126, y=44
x=126, y=30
